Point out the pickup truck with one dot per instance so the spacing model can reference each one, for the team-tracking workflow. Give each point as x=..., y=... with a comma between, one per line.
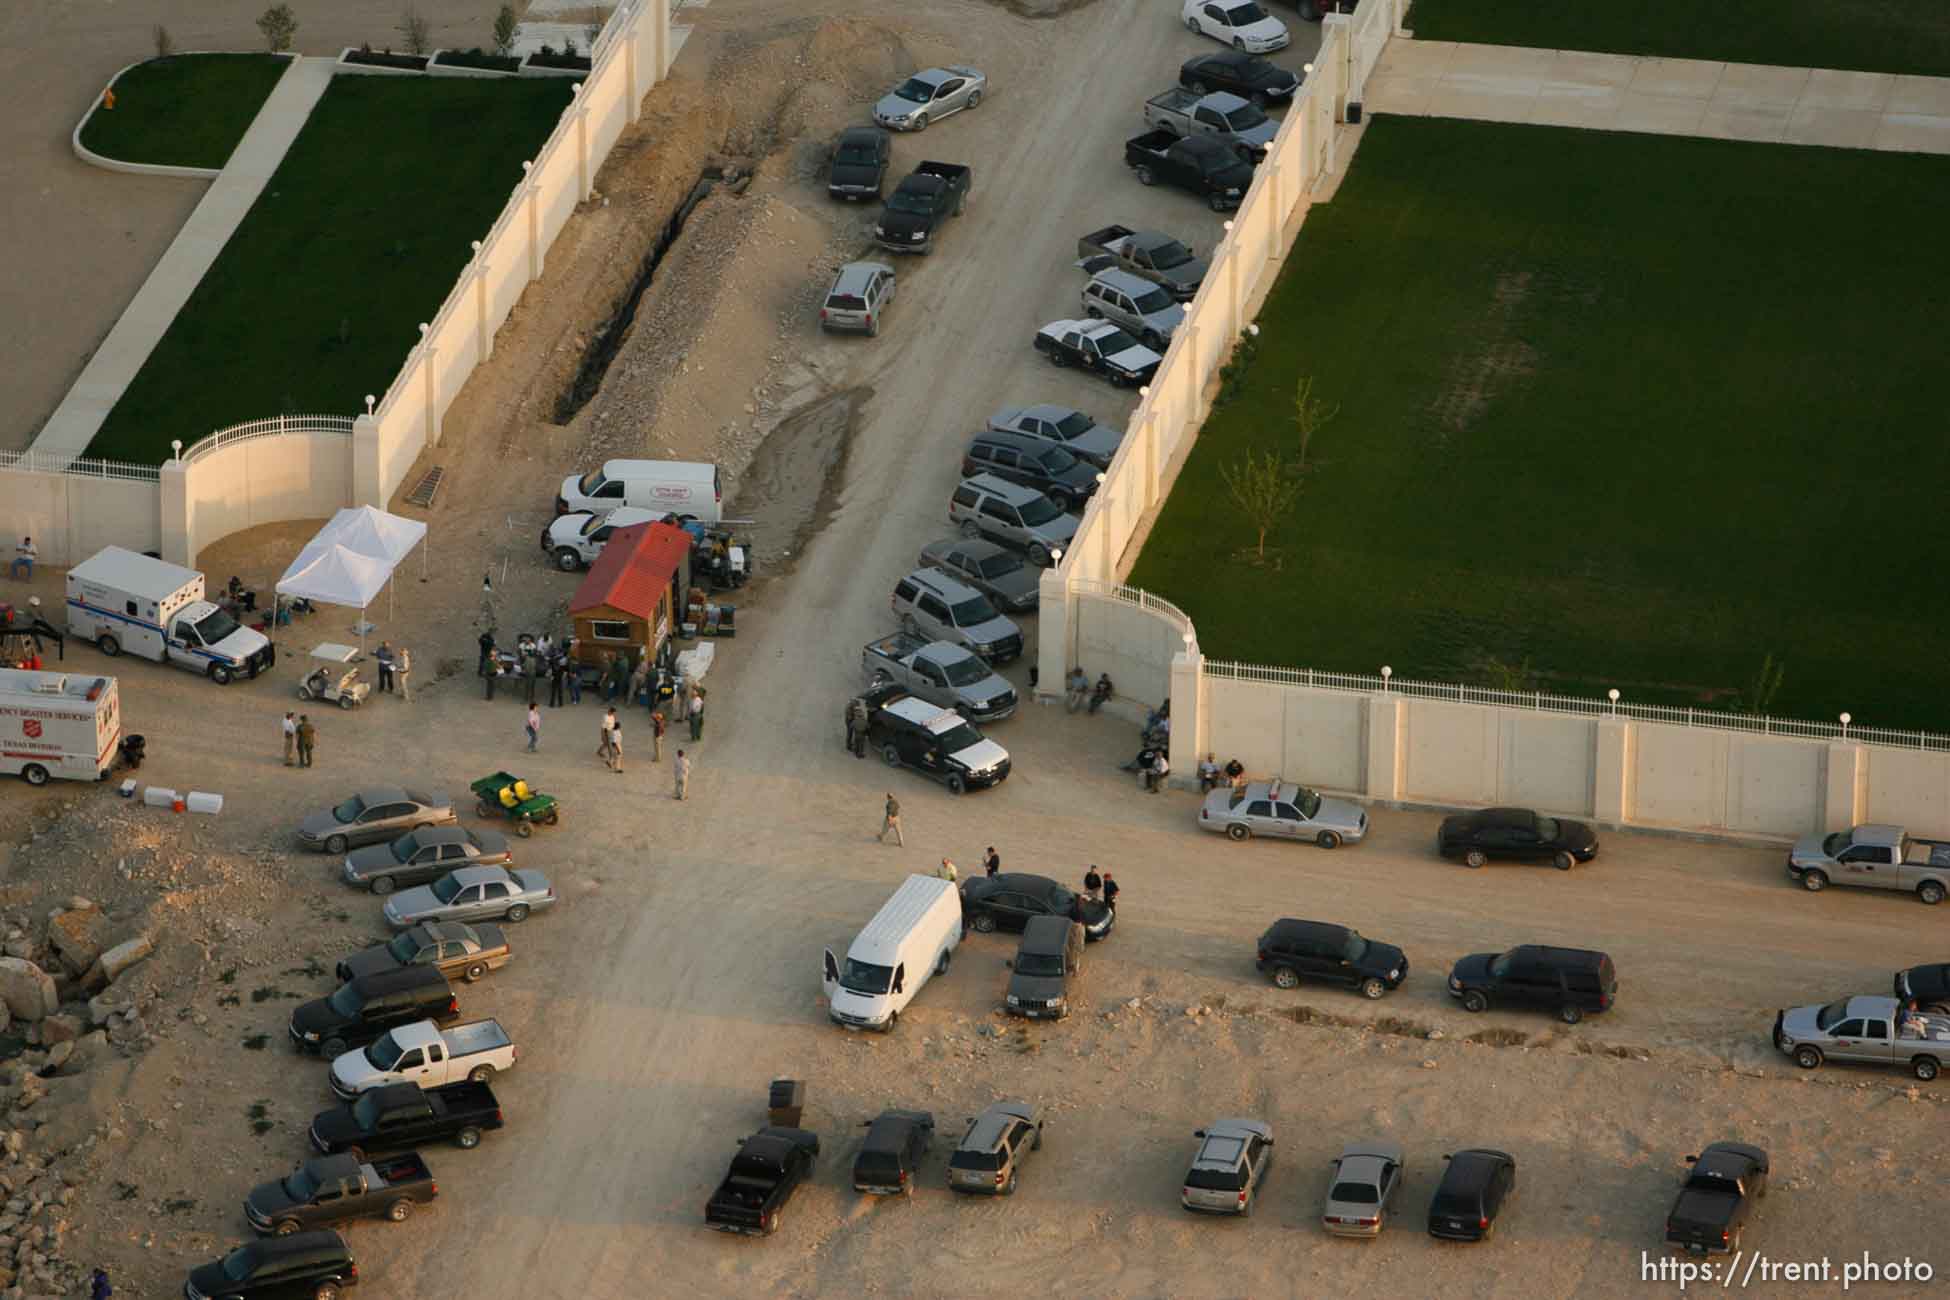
x=940, y=672
x=1157, y=257
x=425, y=1054
x=1868, y=1030
x=768, y=1168
x=1221, y=114
x=928, y=196
x=1199, y=163
x=1716, y=1198
x=400, y=1116
x=1879, y=856
x=327, y=1189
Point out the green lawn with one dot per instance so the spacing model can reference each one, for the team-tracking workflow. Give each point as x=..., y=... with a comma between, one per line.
x=1866, y=35
x=188, y=110
x=357, y=238
x=1639, y=409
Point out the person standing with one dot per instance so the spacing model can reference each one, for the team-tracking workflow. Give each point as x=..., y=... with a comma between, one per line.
x=531, y=668
x=1110, y=892
x=492, y=675
x=290, y=737
x=615, y=743
x=683, y=770
x=307, y=737
x=991, y=861
x=487, y=654
x=574, y=670
x=402, y=669
x=1093, y=884
x=637, y=675
x=604, y=749
x=557, y=679
x=856, y=727
x=101, y=1290
x=383, y=656
x=24, y=556
x=533, y=727
x=680, y=699
x=891, y=821
x=697, y=714
x=656, y=735
x=946, y=871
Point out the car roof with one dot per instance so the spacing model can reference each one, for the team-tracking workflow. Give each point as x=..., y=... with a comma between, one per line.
x=1045, y=934
x=1372, y=1150
x=1021, y=880
x=1483, y=1158
x=854, y=275
x=889, y=1128
x=979, y=547
x=1225, y=101
x=1288, y=927
x=1578, y=957
x=448, y=930
x=1123, y=281
x=1237, y=1128
x=321, y=1247
x=941, y=582
x=858, y=134
x=1014, y=493
x=1876, y=833
x=1152, y=239
x=923, y=714
x=443, y=835
x=479, y=875
x=1028, y=442
x=1207, y=144
x=992, y=1123
x=1067, y=326
x=935, y=76
x=401, y=977
x=378, y=794
x=1049, y=411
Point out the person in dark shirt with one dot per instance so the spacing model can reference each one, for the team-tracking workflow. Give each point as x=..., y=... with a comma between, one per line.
x=1093, y=883
x=991, y=861
x=1110, y=892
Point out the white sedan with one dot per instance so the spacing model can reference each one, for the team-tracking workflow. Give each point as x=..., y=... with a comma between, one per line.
x=1242, y=24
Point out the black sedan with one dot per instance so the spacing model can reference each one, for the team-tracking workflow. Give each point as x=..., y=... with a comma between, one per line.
x=859, y=163
x=1474, y=1187
x=423, y=856
x=1516, y=833
x=1007, y=901
x=1245, y=75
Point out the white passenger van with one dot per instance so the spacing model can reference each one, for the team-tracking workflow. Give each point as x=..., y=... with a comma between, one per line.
x=688, y=489
x=909, y=939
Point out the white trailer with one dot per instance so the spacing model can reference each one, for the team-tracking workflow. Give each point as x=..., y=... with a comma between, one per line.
x=58, y=724
x=124, y=601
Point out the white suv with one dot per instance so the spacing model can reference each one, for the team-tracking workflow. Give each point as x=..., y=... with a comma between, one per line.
x=1017, y=516
x=930, y=603
x=860, y=294
x=1145, y=309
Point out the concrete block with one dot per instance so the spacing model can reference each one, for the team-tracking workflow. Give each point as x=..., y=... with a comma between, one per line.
x=78, y=938
x=27, y=989
x=124, y=955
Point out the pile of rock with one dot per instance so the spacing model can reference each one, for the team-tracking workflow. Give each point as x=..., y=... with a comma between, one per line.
x=80, y=947
x=33, y=1218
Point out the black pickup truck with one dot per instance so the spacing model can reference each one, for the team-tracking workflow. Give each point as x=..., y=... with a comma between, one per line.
x=1716, y=1198
x=1203, y=164
x=400, y=1116
x=328, y=1189
x=929, y=195
x=768, y=1168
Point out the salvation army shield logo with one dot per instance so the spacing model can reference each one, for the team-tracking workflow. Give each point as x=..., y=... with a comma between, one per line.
x=32, y=726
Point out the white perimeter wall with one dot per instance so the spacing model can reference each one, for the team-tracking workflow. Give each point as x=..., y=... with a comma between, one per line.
x=71, y=516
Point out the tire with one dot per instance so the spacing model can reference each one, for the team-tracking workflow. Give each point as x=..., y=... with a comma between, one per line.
x=524, y=828
x=220, y=674
x=467, y=1139
x=304, y=692
x=1285, y=977
x=1039, y=555
x=285, y=1227
x=1925, y=1067
x=1010, y=1189
x=1145, y=176
x=1057, y=358
x=34, y=774
x=400, y=1211
x=1780, y=1042
x=481, y=1074
x=1808, y=1058
x=1570, y=1015
x=974, y=99
x=1191, y=25
x=108, y=645
x=873, y=328
x=893, y=1018
x=1328, y=840
x=332, y=1047
x=891, y=754
x=484, y=809
x=941, y=967
x=956, y=785
x=1309, y=10
x=1239, y=43
x=982, y=923
x=1153, y=340
x=567, y=560
x=326, y=1291
x=1217, y=202
x=336, y=844
x=1239, y=833
x=1814, y=881
x=554, y=816
x=1930, y=891
x=1562, y=860
x=921, y=122
x=346, y=701
x=1259, y=101
x=383, y=885
x=969, y=529
x=1475, y=859
x=1036, y=1143
x=519, y=912
x=1374, y=988
x=1064, y=501
x=474, y=972
x=1474, y=1002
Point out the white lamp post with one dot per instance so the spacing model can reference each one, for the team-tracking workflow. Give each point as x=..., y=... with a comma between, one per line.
x=1613, y=693
x=1386, y=673
x=1846, y=719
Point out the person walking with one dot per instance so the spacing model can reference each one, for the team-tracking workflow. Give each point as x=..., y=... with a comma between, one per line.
x=307, y=737
x=697, y=714
x=290, y=737
x=891, y=821
x=487, y=654
x=946, y=871
x=615, y=743
x=656, y=735
x=24, y=556
x=558, y=678
x=683, y=769
x=856, y=727
x=604, y=749
x=574, y=670
x=403, y=669
x=383, y=656
x=1093, y=884
x=533, y=727
x=1110, y=892
x=101, y=1290
x=991, y=861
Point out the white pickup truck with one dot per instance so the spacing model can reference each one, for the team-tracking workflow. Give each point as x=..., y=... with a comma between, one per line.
x=940, y=672
x=1877, y=855
x=425, y=1054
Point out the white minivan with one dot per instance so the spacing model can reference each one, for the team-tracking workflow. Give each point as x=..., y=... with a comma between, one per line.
x=689, y=489
x=909, y=939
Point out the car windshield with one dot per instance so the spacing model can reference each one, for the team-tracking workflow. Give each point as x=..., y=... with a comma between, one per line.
x=956, y=739
x=865, y=977
x=237, y=1265
x=1547, y=828
x=909, y=201
x=298, y=1184
x=1357, y=948
x=365, y=1112
x=590, y=525
x=1039, y=510
x=1244, y=15
x=1835, y=843
x=589, y=482
x=215, y=626
x=446, y=887
x=986, y=1161
x=915, y=91
x=1307, y=801
x=1039, y=963
x=1500, y=966
x=1112, y=342
x=1354, y=1194
x=1054, y=459
x=965, y=672
x=349, y=810
x=1831, y=1015
x=857, y=155
x=1245, y=118
x=1076, y=423
x=404, y=947
x=1002, y=562
x=345, y=1001
x=1166, y=256
x=1154, y=300
x=973, y=611
x=405, y=847
x=384, y=1052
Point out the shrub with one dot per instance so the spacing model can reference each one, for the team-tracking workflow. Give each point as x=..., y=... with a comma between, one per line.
x=413, y=29
x=279, y=26
x=506, y=30
x=165, y=43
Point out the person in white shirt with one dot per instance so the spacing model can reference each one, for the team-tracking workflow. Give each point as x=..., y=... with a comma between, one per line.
x=24, y=556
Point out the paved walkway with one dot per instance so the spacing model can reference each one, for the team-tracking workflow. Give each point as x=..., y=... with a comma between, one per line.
x=135, y=335
x=1616, y=92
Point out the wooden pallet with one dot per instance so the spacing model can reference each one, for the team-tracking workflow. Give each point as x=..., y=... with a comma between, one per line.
x=422, y=494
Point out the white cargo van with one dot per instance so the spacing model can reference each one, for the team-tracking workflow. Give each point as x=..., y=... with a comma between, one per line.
x=124, y=601
x=58, y=724
x=909, y=939
x=688, y=489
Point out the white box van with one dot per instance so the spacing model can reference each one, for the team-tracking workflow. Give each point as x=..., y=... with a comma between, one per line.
x=58, y=724
x=688, y=489
x=124, y=601
x=909, y=939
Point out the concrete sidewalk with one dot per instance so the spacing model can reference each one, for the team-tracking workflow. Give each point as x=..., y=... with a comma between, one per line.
x=1616, y=92
x=108, y=373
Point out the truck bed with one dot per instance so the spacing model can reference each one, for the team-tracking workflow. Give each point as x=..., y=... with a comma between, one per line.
x=1156, y=140
x=1100, y=241
x=1927, y=853
x=400, y=1171
x=475, y=1037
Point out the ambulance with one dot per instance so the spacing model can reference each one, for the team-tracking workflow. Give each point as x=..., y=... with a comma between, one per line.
x=124, y=601
x=58, y=724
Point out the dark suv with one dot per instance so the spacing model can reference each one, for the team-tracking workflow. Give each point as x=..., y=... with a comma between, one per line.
x=1292, y=951
x=1927, y=985
x=1568, y=981
x=1050, y=953
x=314, y=1265
x=1473, y=1189
x=367, y=1007
x=891, y=1157
x=1032, y=462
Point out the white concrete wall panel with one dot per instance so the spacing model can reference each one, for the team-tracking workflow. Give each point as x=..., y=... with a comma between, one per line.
x=1547, y=761
x=1132, y=644
x=1326, y=740
x=1679, y=776
x=1245, y=725
x=1911, y=788
x=1774, y=787
x=1452, y=752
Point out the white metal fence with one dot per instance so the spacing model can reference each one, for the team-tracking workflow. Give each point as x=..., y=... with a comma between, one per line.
x=272, y=427
x=42, y=462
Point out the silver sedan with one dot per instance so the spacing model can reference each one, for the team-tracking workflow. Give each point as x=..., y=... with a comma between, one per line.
x=472, y=894
x=1366, y=1177
x=930, y=96
x=1284, y=811
x=375, y=814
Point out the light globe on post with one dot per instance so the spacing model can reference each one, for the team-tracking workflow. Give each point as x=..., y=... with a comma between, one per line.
x=1386, y=673
x=1846, y=719
x=1613, y=694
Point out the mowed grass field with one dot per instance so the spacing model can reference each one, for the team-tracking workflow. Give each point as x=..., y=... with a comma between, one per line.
x=356, y=239
x=1905, y=36
x=187, y=110
x=1639, y=410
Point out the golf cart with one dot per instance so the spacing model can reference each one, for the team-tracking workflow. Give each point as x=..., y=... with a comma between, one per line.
x=332, y=679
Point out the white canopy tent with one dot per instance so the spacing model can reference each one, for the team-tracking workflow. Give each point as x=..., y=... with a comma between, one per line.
x=352, y=558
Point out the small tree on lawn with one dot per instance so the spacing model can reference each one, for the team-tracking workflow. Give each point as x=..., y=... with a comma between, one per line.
x=1310, y=414
x=413, y=31
x=165, y=43
x=506, y=30
x=1264, y=488
x=1759, y=696
x=279, y=25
